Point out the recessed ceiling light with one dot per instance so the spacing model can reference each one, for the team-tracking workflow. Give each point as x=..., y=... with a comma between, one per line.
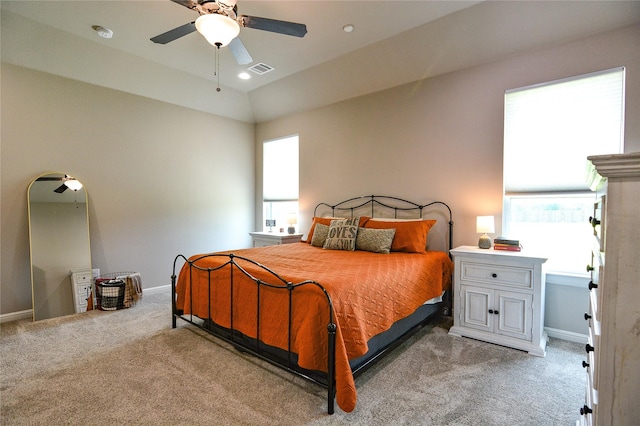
x=244, y=76
x=102, y=31
x=348, y=28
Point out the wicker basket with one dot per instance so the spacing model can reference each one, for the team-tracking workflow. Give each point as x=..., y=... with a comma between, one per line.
x=110, y=291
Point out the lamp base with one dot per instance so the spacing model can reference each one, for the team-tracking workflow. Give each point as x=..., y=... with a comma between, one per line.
x=291, y=230
x=484, y=242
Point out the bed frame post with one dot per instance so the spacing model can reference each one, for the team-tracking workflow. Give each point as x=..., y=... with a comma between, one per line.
x=331, y=368
x=173, y=300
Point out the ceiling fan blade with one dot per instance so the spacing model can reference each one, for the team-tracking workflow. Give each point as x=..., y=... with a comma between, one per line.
x=240, y=52
x=60, y=189
x=273, y=25
x=190, y=4
x=175, y=33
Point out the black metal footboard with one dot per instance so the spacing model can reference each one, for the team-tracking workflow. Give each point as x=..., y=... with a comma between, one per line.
x=285, y=359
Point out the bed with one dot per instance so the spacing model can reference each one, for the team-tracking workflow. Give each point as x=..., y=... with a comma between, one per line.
x=371, y=272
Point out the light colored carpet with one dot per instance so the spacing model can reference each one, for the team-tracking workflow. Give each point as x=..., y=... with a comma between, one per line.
x=131, y=367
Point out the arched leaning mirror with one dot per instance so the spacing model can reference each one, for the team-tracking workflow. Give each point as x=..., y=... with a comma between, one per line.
x=59, y=242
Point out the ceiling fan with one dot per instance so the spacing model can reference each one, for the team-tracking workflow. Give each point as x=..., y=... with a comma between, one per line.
x=220, y=24
x=68, y=182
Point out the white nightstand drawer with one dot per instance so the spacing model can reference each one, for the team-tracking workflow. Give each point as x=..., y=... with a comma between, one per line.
x=82, y=277
x=497, y=274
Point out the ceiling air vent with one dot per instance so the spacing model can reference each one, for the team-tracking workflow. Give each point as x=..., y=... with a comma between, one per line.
x=261, y=68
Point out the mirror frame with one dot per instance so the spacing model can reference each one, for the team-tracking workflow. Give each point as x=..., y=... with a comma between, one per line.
x=31, y=248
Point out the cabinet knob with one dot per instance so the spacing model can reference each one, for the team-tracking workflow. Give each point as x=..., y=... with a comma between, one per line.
x=592, y=285
x=585, y=364
x=494, y=311
x=587, y=317
x=589, y=348
x=494, y=275
x=491, y=311
x=585, y=410
x=590, y=268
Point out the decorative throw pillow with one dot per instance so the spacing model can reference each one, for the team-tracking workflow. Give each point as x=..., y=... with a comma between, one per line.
x=316, y=220
x=375, y=240
x=327, y=221
x=342, y=234
x=411, y=236
x=319, y=235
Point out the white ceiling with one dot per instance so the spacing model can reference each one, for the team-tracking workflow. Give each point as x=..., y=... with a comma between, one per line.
x=394, y=42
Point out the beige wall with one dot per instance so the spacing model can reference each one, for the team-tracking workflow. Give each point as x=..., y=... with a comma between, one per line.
x=161, y=179
x=164, y=179
x=439, y=138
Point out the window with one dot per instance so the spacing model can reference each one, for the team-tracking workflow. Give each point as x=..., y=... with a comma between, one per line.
x=280, y=181
x=549, y=131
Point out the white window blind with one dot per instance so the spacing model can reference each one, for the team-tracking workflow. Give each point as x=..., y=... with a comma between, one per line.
x=280, y=169
x=551, y=128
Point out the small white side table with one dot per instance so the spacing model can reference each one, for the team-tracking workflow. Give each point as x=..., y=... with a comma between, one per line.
x=262, y=239
x=499, y=298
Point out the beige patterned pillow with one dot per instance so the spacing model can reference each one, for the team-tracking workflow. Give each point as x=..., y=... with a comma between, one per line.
x=342, y=234
x=375, y=240
x=320, y=233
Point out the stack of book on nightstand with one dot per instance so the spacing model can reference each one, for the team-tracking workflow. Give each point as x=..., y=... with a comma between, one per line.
x=501, y=243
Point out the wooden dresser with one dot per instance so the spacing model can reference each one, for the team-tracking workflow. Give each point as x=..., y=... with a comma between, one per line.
x=612, y=358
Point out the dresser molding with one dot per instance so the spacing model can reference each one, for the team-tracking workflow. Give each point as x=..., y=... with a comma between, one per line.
x=617, y=165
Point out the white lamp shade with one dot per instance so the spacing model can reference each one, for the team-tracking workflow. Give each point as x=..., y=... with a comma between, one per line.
x=485, y=225
x=292, y=219
x=217, y=29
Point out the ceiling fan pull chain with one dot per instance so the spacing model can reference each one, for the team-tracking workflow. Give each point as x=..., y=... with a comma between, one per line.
x=217, y=67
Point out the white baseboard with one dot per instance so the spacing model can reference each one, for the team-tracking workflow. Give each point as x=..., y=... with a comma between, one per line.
x=159, y=289
x=28, y=314
x=566, y=335
x=15, y=316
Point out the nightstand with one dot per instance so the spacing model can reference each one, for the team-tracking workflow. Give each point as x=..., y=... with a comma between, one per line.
x=261, y=239
x=499, y=298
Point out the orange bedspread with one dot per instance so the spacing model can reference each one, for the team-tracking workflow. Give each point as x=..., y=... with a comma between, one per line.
x=369, y=291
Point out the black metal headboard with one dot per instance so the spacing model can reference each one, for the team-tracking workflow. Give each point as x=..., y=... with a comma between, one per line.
x=385, y=206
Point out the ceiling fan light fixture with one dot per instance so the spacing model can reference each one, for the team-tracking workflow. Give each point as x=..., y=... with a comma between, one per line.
x=73, y=184
x=218, y=29
x=102, y=31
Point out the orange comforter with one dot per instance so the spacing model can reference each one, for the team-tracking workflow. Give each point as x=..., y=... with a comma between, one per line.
x=369, y=291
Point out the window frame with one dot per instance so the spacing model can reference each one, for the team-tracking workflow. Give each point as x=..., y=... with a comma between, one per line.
x=280, y=207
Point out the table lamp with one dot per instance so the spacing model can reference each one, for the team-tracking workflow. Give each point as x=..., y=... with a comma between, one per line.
x=292, y=220
x=484, y=225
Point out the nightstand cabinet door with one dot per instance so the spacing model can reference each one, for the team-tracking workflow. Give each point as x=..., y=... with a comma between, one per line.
x=514, y=317
x=494, y=311
x=476, y=302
